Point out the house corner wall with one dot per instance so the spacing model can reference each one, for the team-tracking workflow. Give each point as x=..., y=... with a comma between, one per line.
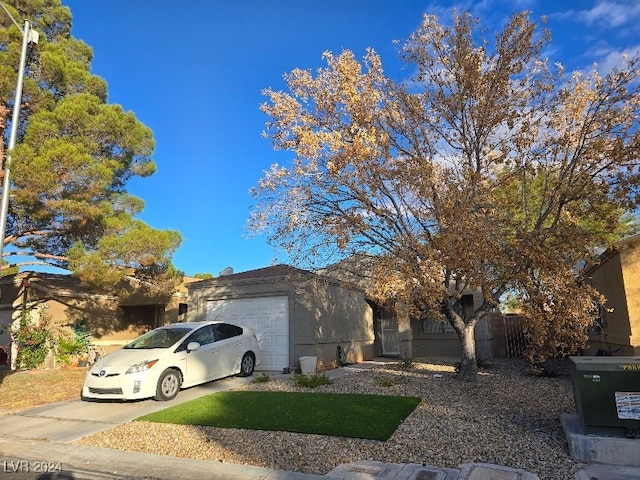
x=325, y=315
x=630, y=260
x=612, y=280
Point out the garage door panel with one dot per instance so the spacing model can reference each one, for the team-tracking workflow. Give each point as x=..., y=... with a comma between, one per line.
x=265, y=341
x=267, y=316
x=280, y=341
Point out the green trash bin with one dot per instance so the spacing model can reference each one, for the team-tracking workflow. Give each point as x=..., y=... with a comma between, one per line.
x=607, y=394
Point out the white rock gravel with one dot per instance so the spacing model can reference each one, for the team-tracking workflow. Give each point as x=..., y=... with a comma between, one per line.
x=507, y=418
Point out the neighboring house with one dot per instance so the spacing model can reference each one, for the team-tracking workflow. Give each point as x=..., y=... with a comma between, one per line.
x=295, y=313
x=111, y=321
x=617, y=277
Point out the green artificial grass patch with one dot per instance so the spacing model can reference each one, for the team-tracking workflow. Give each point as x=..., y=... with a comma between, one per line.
x=373, y=417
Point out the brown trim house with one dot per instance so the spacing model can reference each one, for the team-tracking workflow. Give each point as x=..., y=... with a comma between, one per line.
x=111, y=321
x=617, y=277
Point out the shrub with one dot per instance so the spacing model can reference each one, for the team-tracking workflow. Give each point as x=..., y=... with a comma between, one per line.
x=262, y=378
x=406, y=364
x=81, y=334
x=67, y=348
x=34, y=340
x=387, y=382
x=311, y=381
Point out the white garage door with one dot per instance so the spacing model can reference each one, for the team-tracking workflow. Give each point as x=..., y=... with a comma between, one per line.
x=267, y=316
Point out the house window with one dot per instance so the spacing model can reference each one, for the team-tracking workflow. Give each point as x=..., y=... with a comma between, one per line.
x=182, y=312
x=430, y=325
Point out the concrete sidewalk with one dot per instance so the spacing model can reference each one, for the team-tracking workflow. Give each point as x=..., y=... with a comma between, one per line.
x=22, y=459
x=28, y=459
x=38, y=439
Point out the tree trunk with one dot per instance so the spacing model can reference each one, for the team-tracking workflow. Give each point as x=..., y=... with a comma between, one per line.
x=468, y=371
x=468, y=366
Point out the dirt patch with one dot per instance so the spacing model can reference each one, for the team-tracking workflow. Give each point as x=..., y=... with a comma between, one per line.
x=20, y=390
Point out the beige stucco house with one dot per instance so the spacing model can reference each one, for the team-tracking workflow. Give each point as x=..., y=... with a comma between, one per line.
x=295, y=313
x=298, y=313
x=111, y=320
x=617, y=277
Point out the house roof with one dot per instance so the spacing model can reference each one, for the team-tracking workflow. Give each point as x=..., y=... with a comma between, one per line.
x=66, y=285
x=274, y=271
x=355, y=270
x=625, y=243
x=60, y=284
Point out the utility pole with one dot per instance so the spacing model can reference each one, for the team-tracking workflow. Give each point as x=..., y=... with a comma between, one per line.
x=28, y=36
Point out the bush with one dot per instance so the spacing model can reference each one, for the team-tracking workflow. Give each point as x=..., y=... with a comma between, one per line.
x=81, y=334
x=406, y=364
x=311, y=381
x=34, y=341
x=67, y=348
x=387, y=382
x=262, y=378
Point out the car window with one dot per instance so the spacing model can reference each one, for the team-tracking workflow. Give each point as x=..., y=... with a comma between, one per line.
x=158, y=338
x=203, y=336
x=225, y=330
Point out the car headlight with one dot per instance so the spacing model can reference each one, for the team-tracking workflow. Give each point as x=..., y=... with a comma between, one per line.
x=142, y=366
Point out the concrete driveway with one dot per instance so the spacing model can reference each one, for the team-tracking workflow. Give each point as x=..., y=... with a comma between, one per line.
x=73, y=419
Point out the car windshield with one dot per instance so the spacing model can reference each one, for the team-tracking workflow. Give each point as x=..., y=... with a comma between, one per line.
x=159, y=338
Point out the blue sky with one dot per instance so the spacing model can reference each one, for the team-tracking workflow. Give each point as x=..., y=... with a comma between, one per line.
x=193, y=72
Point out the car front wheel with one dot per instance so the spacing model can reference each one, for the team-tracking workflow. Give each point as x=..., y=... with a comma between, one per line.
x=247, y=364
x=168, y=385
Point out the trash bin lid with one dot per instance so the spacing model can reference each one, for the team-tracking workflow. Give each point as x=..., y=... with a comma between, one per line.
x=613, y=363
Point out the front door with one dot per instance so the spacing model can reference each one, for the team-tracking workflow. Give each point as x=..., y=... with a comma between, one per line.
x=389, y=335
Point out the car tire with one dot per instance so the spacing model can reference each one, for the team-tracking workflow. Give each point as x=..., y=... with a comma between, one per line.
x=247, y=364
x=168, y=385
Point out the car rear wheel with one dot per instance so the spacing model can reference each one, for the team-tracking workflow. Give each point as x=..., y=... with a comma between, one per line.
x=247, y=364
x=168, y=385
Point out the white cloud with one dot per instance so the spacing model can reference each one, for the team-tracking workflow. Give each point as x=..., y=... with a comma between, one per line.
x=612, y=14
x=494, y=14
x=615, y=58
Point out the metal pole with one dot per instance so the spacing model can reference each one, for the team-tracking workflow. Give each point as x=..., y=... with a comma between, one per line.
x=4, y=206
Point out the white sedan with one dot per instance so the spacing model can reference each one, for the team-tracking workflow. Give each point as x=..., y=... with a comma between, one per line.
x=164, y=360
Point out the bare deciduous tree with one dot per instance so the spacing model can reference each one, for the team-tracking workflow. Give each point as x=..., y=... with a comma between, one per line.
x=489, y=170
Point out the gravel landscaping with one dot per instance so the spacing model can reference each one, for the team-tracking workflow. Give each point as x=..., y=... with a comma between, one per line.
x=507, y=418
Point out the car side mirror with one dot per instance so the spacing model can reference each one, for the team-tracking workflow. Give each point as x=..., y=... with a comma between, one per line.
x=192, y=346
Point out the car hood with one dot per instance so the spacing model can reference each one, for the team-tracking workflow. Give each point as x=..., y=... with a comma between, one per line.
x=124, y=358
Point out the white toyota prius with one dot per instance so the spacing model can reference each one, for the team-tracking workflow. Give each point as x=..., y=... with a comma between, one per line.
x=164, y=360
